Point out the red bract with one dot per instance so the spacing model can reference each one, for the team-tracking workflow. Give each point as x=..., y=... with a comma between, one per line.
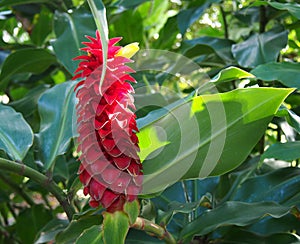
x=110, y=167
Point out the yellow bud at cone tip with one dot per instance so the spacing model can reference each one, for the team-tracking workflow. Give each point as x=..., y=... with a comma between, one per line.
x=129, y=50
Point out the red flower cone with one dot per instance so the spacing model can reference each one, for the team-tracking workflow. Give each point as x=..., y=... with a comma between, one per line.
x=110, y=167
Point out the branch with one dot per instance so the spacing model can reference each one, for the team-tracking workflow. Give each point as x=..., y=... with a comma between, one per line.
x=15, y=187
x=262, y=19
x=157, y=230
x=226, y=35
x=22, y=169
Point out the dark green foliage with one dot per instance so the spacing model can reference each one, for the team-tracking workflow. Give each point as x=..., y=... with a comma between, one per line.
x=220, y=156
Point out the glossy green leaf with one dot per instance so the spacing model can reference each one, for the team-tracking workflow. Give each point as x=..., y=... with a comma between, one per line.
x=137, y=236
x=280, y=186
x=5, y=3
x=49, y=231
x=132, y=209
x=58, y=121
x=19, y=62
x=231, y=73
x=292, y=8
x=93, y=235
x=260, y=48
x=236, y=235
x=287, y=73
x=205, y=45
x=232, y=213
x=187, y=17
x=38, y=217
x=42, y=27
x=292, y=118
x=16, y=136
x=28, y=104
x=71, y=29
x=99, y=13
x=115, y=227
x=128, y=3
x=128, y=25
x=287, y=151
x=77, y=226
x=204, y=133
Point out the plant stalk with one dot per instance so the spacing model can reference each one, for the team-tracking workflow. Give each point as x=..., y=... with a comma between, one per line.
x=17, y=189
x=157, y=230
x=48, y=184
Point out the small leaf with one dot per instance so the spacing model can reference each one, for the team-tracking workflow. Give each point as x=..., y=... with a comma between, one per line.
x=293, y=8
x=115, y=227
x=38, y=216
x=231, y=213
x=292, y=118
x=260, y=48
x=19, y=62
x=16, y=136
x=287, y=73
x=93, y=235
x=58, y=119
x=287, y=151
x=77, y=226
x=132, y=209
x=6, y=3
x=231, y=73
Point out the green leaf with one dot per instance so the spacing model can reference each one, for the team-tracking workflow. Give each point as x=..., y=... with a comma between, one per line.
x=16, y=136
x=231, y=73
x=29, y=60
x=115, y=227
x=232, y=213
x=77, y=226
x=204, y=133
x=237, y=235
x=28, y=104
x=42, y=27
x=126, y=4
x=6, y=3
x=292, y=8
x=280, y=186
x=292, y=118
x=136, y=236
x=287, y=151
x=58, y=119
x=260, y=48
x=206, y=45
x=99, y=14
x=92, y=235
x=50, y=230
x=287, y=73
x=187, y=17
x=70, y=31
x=132, y=209
x=38, y=217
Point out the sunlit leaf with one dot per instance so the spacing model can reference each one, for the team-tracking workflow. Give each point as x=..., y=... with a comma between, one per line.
x=203, y=135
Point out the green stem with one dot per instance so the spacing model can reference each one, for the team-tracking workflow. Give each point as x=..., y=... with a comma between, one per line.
x=262, y=19
x=226, y=35
x=157, y=230
x=15, y=187
x=22, y=169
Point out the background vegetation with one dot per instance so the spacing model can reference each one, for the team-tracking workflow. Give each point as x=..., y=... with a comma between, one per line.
x=238, y=44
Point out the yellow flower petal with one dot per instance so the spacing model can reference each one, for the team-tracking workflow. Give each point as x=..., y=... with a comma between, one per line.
x=129, y=50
